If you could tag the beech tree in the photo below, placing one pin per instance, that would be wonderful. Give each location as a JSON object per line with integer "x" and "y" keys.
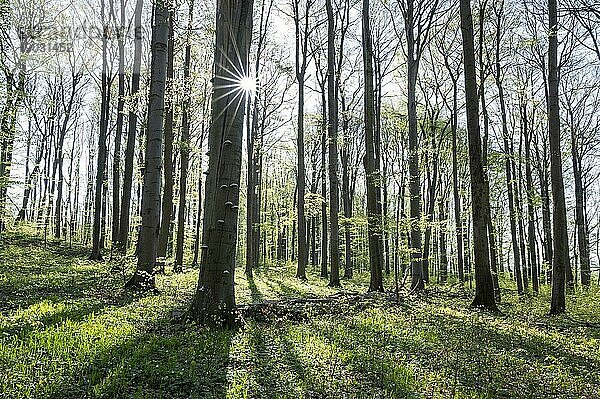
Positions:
{"x": 560, "y": 253}
{"x": 143, "y": 277}
{"x": 371, "y": 161}
{"x": 484, "y": 287}
{"x": 214, "y": 300}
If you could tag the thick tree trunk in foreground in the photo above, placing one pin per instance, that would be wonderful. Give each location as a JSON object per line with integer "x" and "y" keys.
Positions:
{"x": 560, "y": 259}
{"x": 148, "y": 240}
{"x": 372, "y": 172}
{"x": 214, "y": 300}
{"x": 484, "y": 286}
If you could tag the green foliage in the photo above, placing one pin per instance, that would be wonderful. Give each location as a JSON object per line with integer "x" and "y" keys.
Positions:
{"x": 69, "y": 330}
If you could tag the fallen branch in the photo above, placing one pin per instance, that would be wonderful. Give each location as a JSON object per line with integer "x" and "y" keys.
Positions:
{"x": 301, "y": 309}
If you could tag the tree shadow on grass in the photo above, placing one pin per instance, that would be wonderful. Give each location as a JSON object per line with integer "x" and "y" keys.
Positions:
{"x": 22, "y": 325}
{"x": 462, "y": 355}
{"x": 272, "y": 366}
{"x": 162, "y": 361}
{"x": 255, "y": 294}
{"x": 33, "y": 274}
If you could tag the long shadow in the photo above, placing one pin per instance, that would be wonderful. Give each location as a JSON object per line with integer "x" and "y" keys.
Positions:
{"x": 274, "y": 368}
{"x": 160, "y": 361}
{"x": 55, "y": 273}
{"x": 74, "y": 312}
{"x": 475, "y": 357}
{"x": 255, "y": 293}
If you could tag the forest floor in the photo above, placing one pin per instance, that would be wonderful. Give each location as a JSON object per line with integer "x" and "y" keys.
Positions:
{"x": 68, "y": 329}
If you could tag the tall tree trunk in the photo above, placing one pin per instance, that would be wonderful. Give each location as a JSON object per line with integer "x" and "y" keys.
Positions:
{"x": 508, "y": 155}
{"x": 518, "y": 175}
{"x": 560, "y": 258}
{"x": 583, "y": 244}
{"x": 199, "y": 190}
{"x": 102, "y": 150}
{"x": 443, "y": 249}
{"x": 324, "y": 240}
{"x": 416, "y": 262}
{"x": 484, "y": 286}
{"x": 131, "y": 130}
{"x": 346, "y": 195}
{"x": 167, "y": 200}
{"x": 486, "y": 125}
{"x": 148, "y": 239}
{"x": 546, "y": 224}
{"x": 68, "y": 109}
{"x": 214, "y": 300}
{"x": 301, "y": 36}
{"x": 455, "y": 188}
{"x": 185, "y": 144}
{"x": 530, "y": 204}
{"x": 371, "y": 161}
{"x": 116, "y": 173}
{"x": 332, "y": 128}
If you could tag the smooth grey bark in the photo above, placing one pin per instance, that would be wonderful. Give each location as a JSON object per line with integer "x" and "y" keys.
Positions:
{"x": 301, "y": 25}
{"x": 68, "y": 109}
{"x": 508, "y": 155}
{"x": 125, "y": 207}
{"x": 116, "y": 172}
{"x": 560, "y": 259}
{"x": 371, "y": 161}
{"x": 185, "y": 145}
{"x": 484, "y": 286}
{"x": 102, "y": 150}
{"x": 168, "y": 159}
{"x": 530, "y": 202}
{"x": 143, "y": 277}
{"x": 332, "y": 129}
{"x": 214, "y": 300}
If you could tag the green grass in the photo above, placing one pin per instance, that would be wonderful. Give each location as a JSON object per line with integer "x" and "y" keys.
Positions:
{"x": 69, "y": 330}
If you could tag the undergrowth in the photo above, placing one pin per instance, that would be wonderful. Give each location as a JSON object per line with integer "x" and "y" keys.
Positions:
{"x": 68, "y": 329}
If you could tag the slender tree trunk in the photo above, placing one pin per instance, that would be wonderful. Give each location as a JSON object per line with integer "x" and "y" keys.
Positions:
{"x": 484, "y": 286}
{"x": 416, "y": 262}
{"x": 148, "y": 239}
{"x": 371, "y": 161}
{"x": 455, "y": 188}
{"x": 332, "y": 128}
{"x": 443, "y": 250}
{"x": 167, "y": 202}
{"x": 530, "y": 206}
{"x": 324, "y": 240}
{"x": 560, "y": 259}
{"x": 102, "y": 150}
{"x": 131, "y": 131}
{"x": 116, "y": 189}
{"x": 518, "y": 175}
{"x": 185, "y": 144}
{"x": 214, "y": 300}
{"x": 301, "y": 64}
{"x": 583, "y": 244}
{"x": 199, "y": 199}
